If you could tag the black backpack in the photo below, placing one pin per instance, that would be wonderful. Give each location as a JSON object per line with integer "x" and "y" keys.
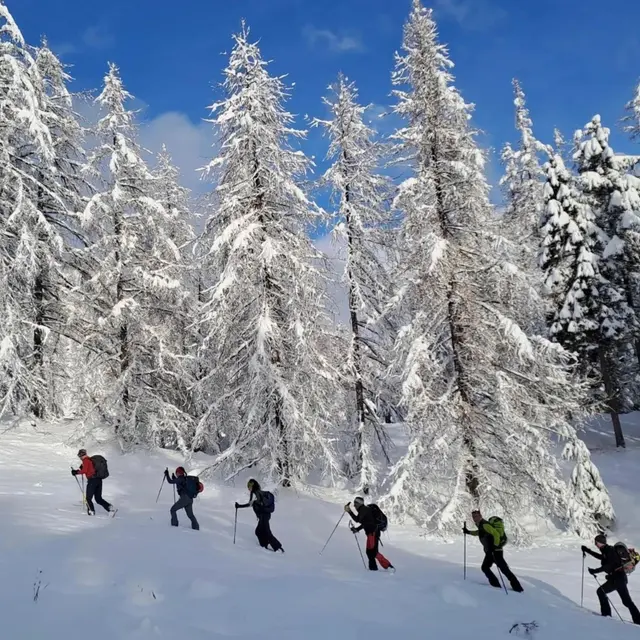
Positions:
{"x": 100, "y": 467}
{"x": 268, "y": 502}
{"x": 192, "y": 486}
{"x": 379, "y": 517}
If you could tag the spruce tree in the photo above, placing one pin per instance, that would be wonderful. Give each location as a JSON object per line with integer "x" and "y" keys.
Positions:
{"x": 481, "y": 395}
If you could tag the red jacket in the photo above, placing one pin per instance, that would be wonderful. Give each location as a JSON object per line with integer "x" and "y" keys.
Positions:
{"x": 87, "y": 468}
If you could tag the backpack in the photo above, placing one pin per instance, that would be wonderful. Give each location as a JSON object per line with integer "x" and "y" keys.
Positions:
{"x": 628, "y": 556}
{"x": 193, "y": 486}
{"x": 100, "y": 466}
{"x": 498, "y": 525}
{"x": 268, "y": 502}
{"x": 379, "y": 517}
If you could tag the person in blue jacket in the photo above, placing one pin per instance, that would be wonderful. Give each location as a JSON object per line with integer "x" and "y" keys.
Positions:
{"x": 185, "y": 500}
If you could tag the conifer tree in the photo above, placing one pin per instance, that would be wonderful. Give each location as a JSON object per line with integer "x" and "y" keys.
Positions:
{"x": 481, "y": 395}
{"x": 264, "y": 318}
{"x": 631, "y": 120}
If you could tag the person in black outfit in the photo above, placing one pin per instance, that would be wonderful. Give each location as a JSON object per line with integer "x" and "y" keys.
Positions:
{"x": 493, "y": 552}
{"x": 611, "y": 566}
{"x": 367, "y": 521}
{"x": 185, "y": 501}
{"x": 263, "y": 530}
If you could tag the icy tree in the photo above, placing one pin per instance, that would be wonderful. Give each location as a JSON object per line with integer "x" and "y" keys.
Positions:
{"x": 631, "y": 120}
{"x": 611, "y": 191}
{"x": 136, "y": 288}
{"x": 264, "y": 318}
{"x": 361, "y": 198}
{"x": 484, "y": 400}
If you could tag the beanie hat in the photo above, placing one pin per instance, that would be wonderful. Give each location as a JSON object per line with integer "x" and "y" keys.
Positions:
{"x": 180, "y": 471}
{"x": 82, "y": 453}
{"x": 358, "y": 502}
{"x": 601, "y": 538}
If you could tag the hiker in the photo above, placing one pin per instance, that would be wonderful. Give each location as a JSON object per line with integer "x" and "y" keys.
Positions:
{"x": 186, "y": 495}
{"x": 263, "y": 504}
{"x": 366, "y": 518}
{"x": 95, "y": 470}
{"x": 613, "y": 567}
{"x": 492, "y": 538}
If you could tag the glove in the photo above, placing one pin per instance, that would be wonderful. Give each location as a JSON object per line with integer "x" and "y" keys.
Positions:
{"x": 592, "y": 571}
{"x": 584, "y": 550}
{"x": 166, "y": 473}
{"x": 346, "y": 507}
{"x": 237, "y": 506}
{"x": 74, "y": 472}
{"x": 465, "y": 530}
{"x": 353, "y": 530}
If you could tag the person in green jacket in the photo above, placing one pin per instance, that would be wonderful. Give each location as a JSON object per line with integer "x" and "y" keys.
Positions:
{"x": 492, "y": 541}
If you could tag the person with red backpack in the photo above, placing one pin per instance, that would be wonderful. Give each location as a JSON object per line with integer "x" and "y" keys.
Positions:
{"x": 95, "y": 470}
{"x": 613, "y": 566}
{"x": 373, "y": 524}
{"x": 263, "y": 503}
{"x": 188, "y": 488}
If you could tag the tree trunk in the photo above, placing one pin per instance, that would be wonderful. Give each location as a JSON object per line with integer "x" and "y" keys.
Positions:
{"x": 37, "y": 405}
{"x": 123, "y": 332}
{"x": 613, "y": 394}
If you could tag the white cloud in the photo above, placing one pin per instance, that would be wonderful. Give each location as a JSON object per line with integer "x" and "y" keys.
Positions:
{"x": 333, "y": 42}
{"x": 475, "y": 15}
{"x": 98, "y": 37}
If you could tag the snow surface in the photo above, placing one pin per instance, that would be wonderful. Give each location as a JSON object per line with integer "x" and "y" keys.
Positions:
{"x": 134, "y": 576}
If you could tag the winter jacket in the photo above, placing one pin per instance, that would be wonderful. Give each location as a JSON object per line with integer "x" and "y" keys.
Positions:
{"x": 367, "y": 521}
{"x": 256, "y": 501}
{"x": 610, "y": 560}
{"x": 179, "y": 481}
{"x": 489, "y": 536}
{"x": 87, "y": 468}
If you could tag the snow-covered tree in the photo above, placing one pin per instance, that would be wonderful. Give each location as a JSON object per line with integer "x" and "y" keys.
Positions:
{"x": 483, "y": 398}
{"x": 362, "y": 214}
{"x": 136, "y": 288}
{"x": 265, "y": 319}
{"x": 611, "y": 191}
{"x": 631, "y": 120}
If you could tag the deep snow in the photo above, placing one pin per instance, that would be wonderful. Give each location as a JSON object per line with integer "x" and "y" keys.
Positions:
{"x": 136, "y": 577}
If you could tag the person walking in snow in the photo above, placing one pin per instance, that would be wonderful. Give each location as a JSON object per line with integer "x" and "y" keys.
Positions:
{"x": 612, "y": 567}
{"x": 185, "y": 497}
{"x": 263, "y": 503}
{"x": 95, "y": 474}
{"x": 365, "y": 517}
{"x": 492, "y": 542}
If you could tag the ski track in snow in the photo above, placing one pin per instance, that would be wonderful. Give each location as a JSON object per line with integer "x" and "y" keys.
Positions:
{"x": 135, "y": 577}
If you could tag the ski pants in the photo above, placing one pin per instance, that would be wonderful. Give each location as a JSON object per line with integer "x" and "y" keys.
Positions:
{"x": 186, "y": 503}
{"x": 617, "y": 582}
{"x": 496, "y": 556}
{"x": 94, "y": 490}
{"x": 373, "y": 554}
{"x": 264, "y": 535}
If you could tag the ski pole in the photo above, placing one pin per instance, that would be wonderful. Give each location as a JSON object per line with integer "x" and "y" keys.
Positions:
{"x": 235, "y": 526}
{"x": 582, "y": 585}
{"x": 465, "y": 552}
{"x": 161, "y": 485}
{"x": 609, "y": 599}
{"x": 334, "y": 530}
{"x": 502, "y": 580}
{"x": 359, "y": 549}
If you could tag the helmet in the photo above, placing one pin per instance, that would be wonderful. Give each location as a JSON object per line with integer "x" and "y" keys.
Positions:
{"x": 358, "y": 502}
{"x": 180, "y": 471}
{"x": 82, "y": 453}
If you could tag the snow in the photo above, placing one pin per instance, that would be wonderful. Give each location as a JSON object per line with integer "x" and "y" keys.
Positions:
{"x": 135, "y": 577}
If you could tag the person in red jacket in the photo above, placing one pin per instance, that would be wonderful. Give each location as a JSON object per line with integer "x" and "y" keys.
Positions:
{"x": 94, "y": 485}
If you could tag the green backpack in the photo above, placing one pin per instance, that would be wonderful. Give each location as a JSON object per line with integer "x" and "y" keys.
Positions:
{"x": 498, "y": 525}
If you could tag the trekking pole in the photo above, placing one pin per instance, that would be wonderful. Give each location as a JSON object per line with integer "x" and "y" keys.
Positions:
{"x": 465, "y": 553}
{"x": 609, "y": 599}
{"x": 582, "y": 585}
{"x": 502, "y": 580}
{"x": 359, "y": 549}
{"x": 161, "y": 485}
{"x": 334, "y": 530}
{"x": 235, "y": 526}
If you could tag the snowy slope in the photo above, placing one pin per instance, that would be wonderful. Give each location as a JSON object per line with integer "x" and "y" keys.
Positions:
{"x": 136, "y": 577}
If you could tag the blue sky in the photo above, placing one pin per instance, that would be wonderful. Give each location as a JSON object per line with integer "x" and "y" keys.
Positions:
{"x": 573, "y": 57}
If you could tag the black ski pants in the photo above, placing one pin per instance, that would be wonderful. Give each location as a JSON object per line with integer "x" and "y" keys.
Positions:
{"x": 186, "y": 503}
{"x": 264, "y": 535}
{"x": 617, "y": 582}
{"x": 496, "y": 556}
{"x": 94, "y": 490}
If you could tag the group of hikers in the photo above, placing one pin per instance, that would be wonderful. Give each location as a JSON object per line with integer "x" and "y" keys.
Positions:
{"x": 617, "y": 561}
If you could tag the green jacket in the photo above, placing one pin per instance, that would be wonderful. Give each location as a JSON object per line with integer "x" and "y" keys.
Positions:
{"x": 489, "y": 536}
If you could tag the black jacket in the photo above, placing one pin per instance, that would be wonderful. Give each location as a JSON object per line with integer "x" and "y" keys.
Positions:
{"x": 256, "y": 500}
{"x": 610, "y": 560}
{"x": 367, "y": 521}
{"x": 180, "y": 482}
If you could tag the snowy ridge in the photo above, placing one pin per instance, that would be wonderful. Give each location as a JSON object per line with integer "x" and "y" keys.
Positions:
{"x": 136, "y": 577}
